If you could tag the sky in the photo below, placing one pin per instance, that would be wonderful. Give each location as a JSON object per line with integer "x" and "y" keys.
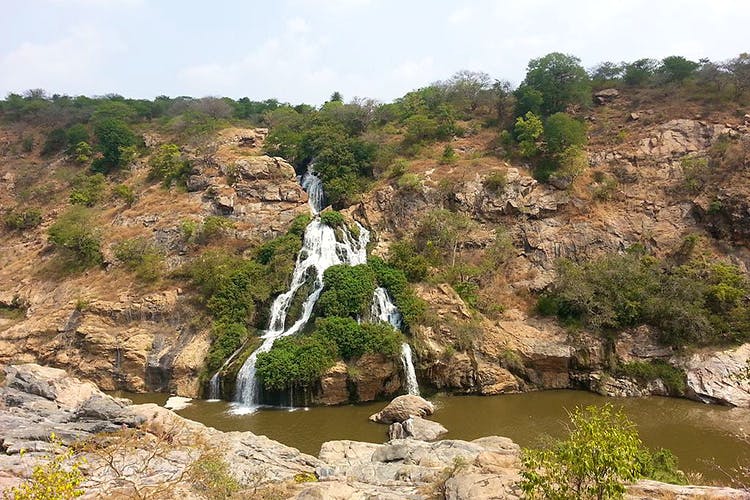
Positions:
{"x": 304, "y": 50}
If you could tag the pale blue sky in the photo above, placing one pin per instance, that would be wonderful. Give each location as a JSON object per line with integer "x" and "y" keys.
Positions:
{"x": 303, "y": 50}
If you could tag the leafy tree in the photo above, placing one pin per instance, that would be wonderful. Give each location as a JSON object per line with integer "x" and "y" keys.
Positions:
{"x": 336, "y": 97}
{"x": 677, "y": 68}
{"x": 112, "y": 135}
{"x": 561, "y": 81}
{"x": 601, "y": 454}
{"x": 607, "y": 73}
{"x": 639, "y": 72}
{"x": 142, "y": 257}
{"x": 75, "y": 134}
{"x": 529, "y": 129}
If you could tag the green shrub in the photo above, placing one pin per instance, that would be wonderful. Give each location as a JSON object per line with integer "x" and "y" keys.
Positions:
{"x": 76, "y": 134}
{"x": 562, "y": 131}
{"x": 214, "y": 227}
{"x": 296, "y": 361}
{"x": 19, "y": 220}
{"x": 332, "y": 218}
{"x": 402, "y": 255}
{"x": 168, "y": 166}
{"x": 601, "y": 454}
{"x": 226, "y": 338}
{"x": 75, "y": 234}
{"x": 448, "y": 156}
{"x": 112, "y": 135}
{"x": 673, "y": 378}
{"x": 27, "y": 144}
{"x": 87, "y": 190}
{"x": 125, "y": 193}
{"x": 409, "y": 182}
{"x": 394, "y": 280}
{"x": 695, "y": 172}
{"x": 353, "y": 339}
{"x": 141, "y": 257}
{"x": 528, "y": 130}
{"x": 56, "y": 141}
{"x": 82, "y": 152}
{"x": 347, "y": 291}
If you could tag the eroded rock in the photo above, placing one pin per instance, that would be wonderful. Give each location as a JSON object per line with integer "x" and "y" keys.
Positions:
{"x": 403, "y": 407}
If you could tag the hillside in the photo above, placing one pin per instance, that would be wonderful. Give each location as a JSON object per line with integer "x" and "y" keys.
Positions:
{"x": 546, "y": 243}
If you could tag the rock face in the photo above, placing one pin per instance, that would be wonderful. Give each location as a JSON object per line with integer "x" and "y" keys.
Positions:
{"x": 722, "y": 376}
{"x": 402, "y": 408}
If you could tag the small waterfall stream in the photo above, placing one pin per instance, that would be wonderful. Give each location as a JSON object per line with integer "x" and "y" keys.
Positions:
{"x": 385, "y": 310}
{"x": 320, "y": 251}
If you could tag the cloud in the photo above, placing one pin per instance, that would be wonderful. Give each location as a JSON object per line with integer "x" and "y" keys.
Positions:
{"x": 461, "y": 15}
{"x": 61, "y": 65}
{"x": 288, "y": 66}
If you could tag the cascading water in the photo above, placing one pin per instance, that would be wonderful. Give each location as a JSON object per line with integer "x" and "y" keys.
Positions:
{"x": 320, "y": 251}
{"x": 383, "y": 309}
{"x": 214, "y": 383}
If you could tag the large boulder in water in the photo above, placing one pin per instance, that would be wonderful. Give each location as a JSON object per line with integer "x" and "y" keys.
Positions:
{"x": 720, "y": 377}
{"x": 402, "y": 408}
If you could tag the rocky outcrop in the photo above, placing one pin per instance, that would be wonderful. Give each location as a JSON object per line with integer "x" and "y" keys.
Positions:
{"x": 679, "y": 137}
{"x": 720, "y": 377}
{"x": 403, "y": 407}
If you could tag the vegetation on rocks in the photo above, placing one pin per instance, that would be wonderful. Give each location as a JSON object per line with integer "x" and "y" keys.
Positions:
{"x": 77, "y": 238}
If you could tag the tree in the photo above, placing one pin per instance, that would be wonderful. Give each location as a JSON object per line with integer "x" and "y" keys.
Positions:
{"x": 528, "y": 131}
{"x": 168, "y": 166}
{"x": 739, "y": 71}
{"x": 607, "y": 72}
{"x": 75, "y": 233}
{"x": 562, "y": 131}
{"x": 561, "y": 81}
{"x": 336, "y": 97}
{"x": 639, "y": 72}
{"x": 677, "y": 68}
{"x": 112, "y": 135}
{"x": 601, "y": 453}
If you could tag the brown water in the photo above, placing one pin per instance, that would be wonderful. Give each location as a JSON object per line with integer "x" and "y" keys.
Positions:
{"x": 698, "y": 434}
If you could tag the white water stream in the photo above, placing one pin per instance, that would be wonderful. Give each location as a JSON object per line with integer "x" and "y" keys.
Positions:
{"x": 383, "y": 309}
{"x": 320, "y": 251}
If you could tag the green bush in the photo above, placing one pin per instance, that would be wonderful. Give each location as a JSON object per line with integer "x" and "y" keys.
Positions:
{"x": 75, "y": 234}
{"x": 168, "y": 166}
{"x": 353, "y": 339}
{"x": 394, "y": 280}
{"x": 601, "y": 454}
{"x": 347, "y": 291}
{"x": 528, "y": 130}
{"x": 112, "y": 135}
{"x": 214, "y": 227}
{"x": 673, "y": 378}
{"x": 19, "y": 220}
{"x": 226, "y": 338}
{"x": 696, "y": 303}
{"x": 296, "y": 361}
{"x": 332, "y": 218}
{"x": 141, "y": 257}
{"x": 87, "y": 190}
{"x": 82, "y": 152}
{"x": 56, "y": 141}
{"x": 74, "y": 135}
{"x": 125, "y": 193}
{"x": 403, "y": 255}
{"x": 562, "y": 131}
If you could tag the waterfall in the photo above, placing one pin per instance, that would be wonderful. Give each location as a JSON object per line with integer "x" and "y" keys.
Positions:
{"x": 383, "y": 309}
{"x": 412, "y": 386}
{"x": 214, "y": 383}
{"x": 320, "y": 250}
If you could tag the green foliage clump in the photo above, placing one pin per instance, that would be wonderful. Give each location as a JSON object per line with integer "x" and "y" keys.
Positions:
{"x": 226, "y": 338}
{"x": 76, "y": 236}
{"x": 404, "y": 256}
{"x": 142, "y": 257}
{"x": 353, "y": 339}
{"x": 125, "y": 193}
{"x": 214, "y": 227}
{"x": 601, "y": 454}
{"x": 19, "y": 220}
{"x": 56, "y": 140}
{"x": 295, "y": 361}
{"x": 211, "y": 475}
{"x": 559, "y": 80}
{"x": 87, "y": 190}
{"x": 168, "y": 166}
{"x": 562, "y": 131}
{"x": 529, "y": 129}
{"x": 82, "y": 152}
{"x": 113, "y": 136}
{"x": 673, "y": 378}
{"x": 332, "y": 218}
{"x": 347, "y": 291}
{"x": 696, "y": 303}
{"x": 448, "y": 156}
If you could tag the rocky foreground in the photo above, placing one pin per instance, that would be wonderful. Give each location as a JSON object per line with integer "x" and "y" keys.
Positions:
{"x": 146, "y": 450}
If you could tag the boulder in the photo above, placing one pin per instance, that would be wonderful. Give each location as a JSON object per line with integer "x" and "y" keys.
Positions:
{"x": 402, "y": 408}
{"x": 720, "y": 377}
{"x": 334, "y": 389}
{"x": 605, "y": 96}
{"x": 417, "y": 428}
